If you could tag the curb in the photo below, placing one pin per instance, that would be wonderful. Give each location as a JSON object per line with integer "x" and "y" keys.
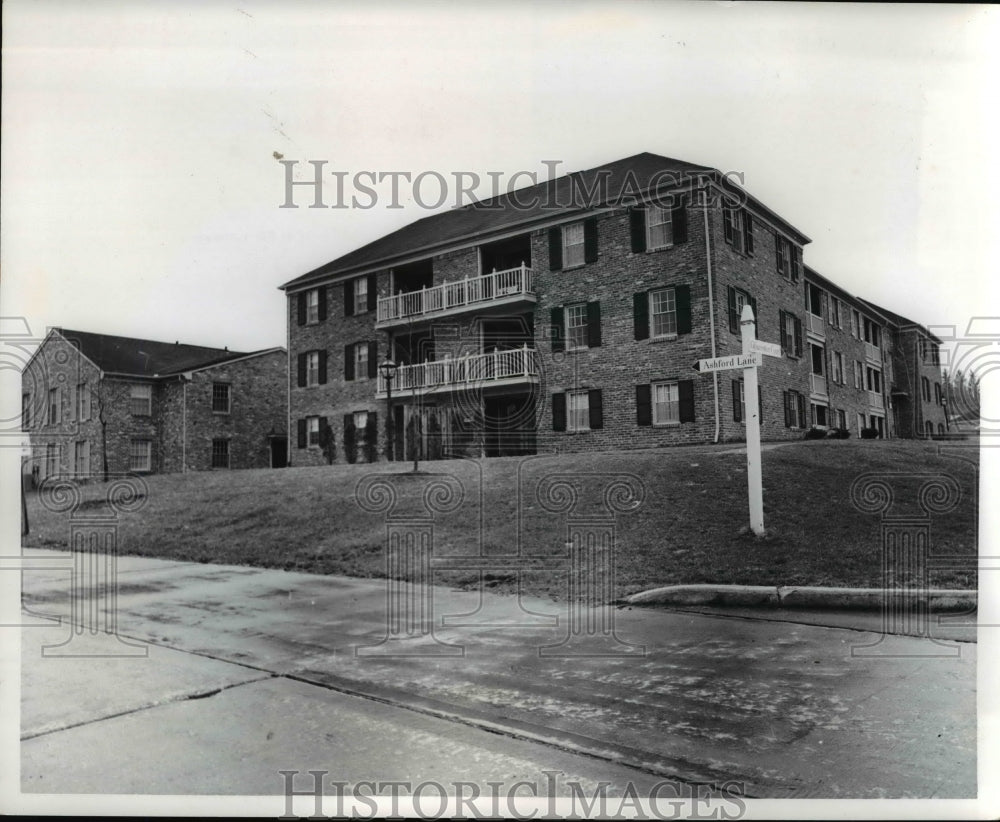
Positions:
{"x": 797, "y": 596}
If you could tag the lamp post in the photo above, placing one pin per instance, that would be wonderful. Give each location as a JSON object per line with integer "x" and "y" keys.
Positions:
{"x": 388, "y": 370}
{"x": 947, "y": 424}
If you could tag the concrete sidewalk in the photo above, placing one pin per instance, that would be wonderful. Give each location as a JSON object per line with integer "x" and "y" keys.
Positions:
{"x": 789, "y": 710}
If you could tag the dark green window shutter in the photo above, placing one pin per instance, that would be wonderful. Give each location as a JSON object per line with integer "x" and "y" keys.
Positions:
{"x": 349, "y": 434}
{"x": 747, "y": 232}
{"x": 372, "y": 292}
{"x": 321, "y": 306}
{"x": 685, "y": 397}
{"x": 734, "y": 317}
{"x": 322, "y": 366}
{"x": 737, "y": 412}
{"x": 786, "y": 400}
{"x": 679, "y": 225}
{"x": 779, "y": 259}
{"x": 590, "y": 240}
{"x": 728, "y": 224}
{"x": 349, "y": 361}
{"x": 555, "y": 248}
{"x": 596, "y": 409}
{"x": 372, "y": 359}
{"x": 349, "y": 298}
{"x": 783, "y": 333}
{"x": 559, "y": 412}
{"x": 558, "y": 329}
{"x": 302, "y": 370}
{"x": 802, "y": 409}
{"x": 756, "y": 317}
{"x": 796, "y": 263}
{"x": 640, "y": 315}
{"x": 682, "y": 299}
{"x": 643, "y": 405}
{"x": 798, "y": 337}
{"x": 301, "y": 304}
{"x": 637, "y": 228}
{"x": 324, "y": 432}
{"x": 594, "y": 325}
{"x": 302, "y": 433}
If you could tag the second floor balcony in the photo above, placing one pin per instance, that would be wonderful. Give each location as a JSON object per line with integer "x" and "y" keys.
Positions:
{"x": 815, "y": 325}
{"x": 498, "y": 288}
{"x": 509, "y": 366}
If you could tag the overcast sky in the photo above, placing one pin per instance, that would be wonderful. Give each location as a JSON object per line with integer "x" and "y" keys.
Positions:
{"x": 141, "y": 191}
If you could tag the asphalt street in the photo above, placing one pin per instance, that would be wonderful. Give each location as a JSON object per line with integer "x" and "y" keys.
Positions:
{"x": 247, "y": 672}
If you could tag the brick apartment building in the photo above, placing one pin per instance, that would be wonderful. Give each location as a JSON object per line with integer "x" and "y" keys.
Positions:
{"x": 567, "y": 316}
{"x": 919, "y": 401}
{"x": 95, "y": 403}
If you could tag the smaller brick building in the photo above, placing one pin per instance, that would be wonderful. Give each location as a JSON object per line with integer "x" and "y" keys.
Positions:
{"x": 94, "y": 404}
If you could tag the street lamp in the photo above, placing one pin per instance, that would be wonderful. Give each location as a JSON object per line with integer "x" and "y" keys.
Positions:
{"x": 388, "y": 370}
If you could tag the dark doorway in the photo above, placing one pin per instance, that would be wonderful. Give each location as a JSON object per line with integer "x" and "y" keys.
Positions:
{"x": 506, "y": 254}
{"x": 279, "y": 452}
{"x": 509, "y": 425}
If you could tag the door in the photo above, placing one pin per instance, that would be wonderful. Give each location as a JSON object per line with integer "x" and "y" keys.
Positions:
{"x": 279, "y": 452}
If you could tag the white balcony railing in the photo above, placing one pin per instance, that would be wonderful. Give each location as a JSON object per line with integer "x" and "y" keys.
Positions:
{"x": 470, "y": 371}
{"x": 473, "y": 291}
{"x": 815, "y": 324}
{"x": 817, "y": 383}
{"x": 872, "y": 352}
{"x": 876, "y": 401}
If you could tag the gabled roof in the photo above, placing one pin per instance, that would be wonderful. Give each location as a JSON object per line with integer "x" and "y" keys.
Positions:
{"x": 143, "y": 358}
{"x": 830, "y": 285}
{"x": 551, "y": 199}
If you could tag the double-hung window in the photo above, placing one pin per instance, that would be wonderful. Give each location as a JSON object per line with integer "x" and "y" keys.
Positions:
{"x": 141, "y": 400}
{"x": 666, "y": 403}
{"x": 572, "y": 245}
{"x": 140, "y": 455}
{"x": 312, "y": 368}
{"x": 576, "y": 326}
{"x": 659, "y": 229}
{"x": 312, "y": 306}
{"x": 662, "y": 313}
{"x": 312, "y": 430}
{"x": 220, "y": 452}
{"x": 360, "y": 295}
{"x": 577, "y": 411}
{"x": 220, "y": 398}
{"x": 361, "y": 361}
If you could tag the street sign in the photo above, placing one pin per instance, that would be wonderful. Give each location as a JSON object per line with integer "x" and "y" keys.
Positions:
{"x": 765, "y": 348}
{"x": 751, "y": 360}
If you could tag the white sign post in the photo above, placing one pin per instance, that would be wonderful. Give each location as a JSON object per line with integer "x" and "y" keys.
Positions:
{"x": 748, "y": 326}
{"x": 748, "y": 361}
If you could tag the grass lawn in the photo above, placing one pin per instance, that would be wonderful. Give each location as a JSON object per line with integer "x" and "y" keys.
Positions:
{"x": 691, "y": 527}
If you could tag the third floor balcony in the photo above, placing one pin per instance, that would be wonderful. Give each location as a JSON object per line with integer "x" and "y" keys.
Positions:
{"x": 493, "y": 290}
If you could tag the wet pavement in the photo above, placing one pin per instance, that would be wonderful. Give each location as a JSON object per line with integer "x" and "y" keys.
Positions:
{"x": 786, "y": 708}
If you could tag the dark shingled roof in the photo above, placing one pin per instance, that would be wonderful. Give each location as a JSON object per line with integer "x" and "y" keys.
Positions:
{"x": 143, "y": 358}
{"x": 548, "y": 199}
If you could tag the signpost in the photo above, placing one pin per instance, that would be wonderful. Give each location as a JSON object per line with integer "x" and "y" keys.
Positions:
{"x": 749, "y": 361}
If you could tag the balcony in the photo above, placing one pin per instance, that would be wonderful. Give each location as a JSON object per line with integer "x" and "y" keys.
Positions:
{"x": 817, "y": 384}
{"x": 876, "y": 401}
{"x": 474, "y": 371}
{"x": 497, "y": 288}
{"x": 815, "y": 325}
{"x": 873, "y": 353}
